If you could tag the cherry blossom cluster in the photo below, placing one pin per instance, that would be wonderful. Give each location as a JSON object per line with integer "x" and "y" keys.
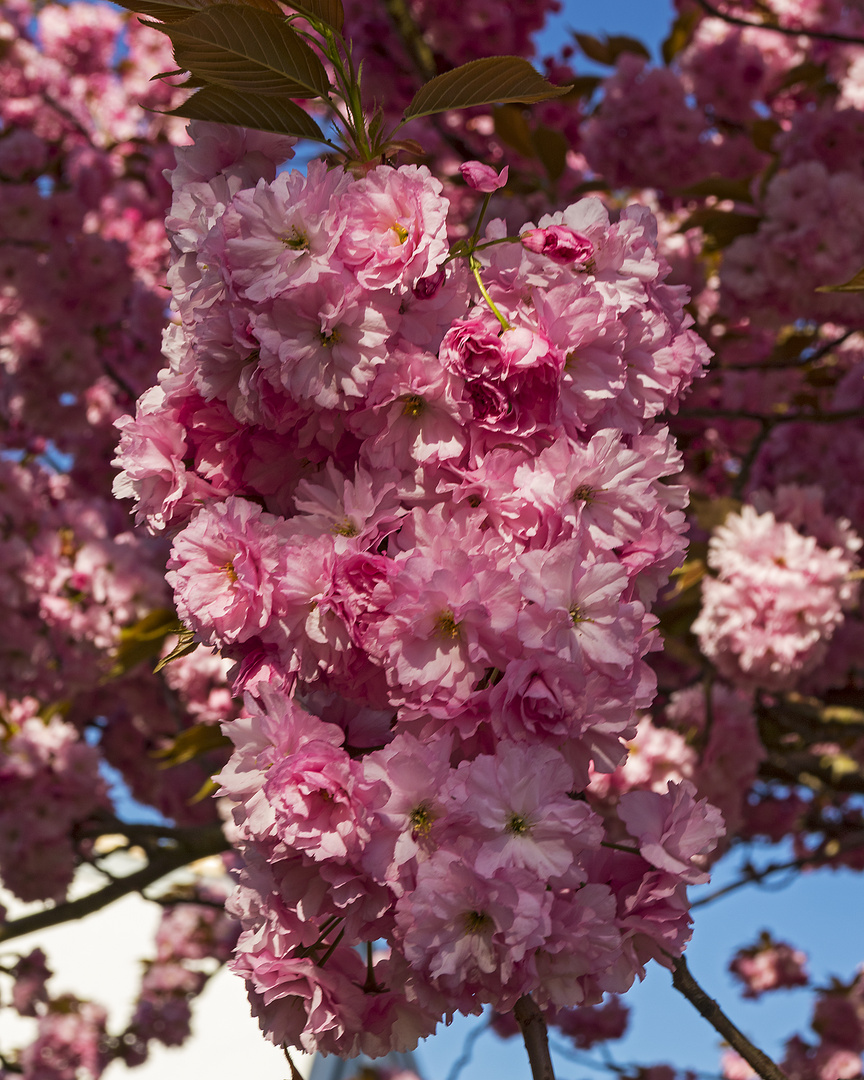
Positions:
{"x": 49, "y": 783}
{"x": 838, "y": 1022}
{"x": 193, "y": 939}
{"x": 779, "y": 594}
{"x": 419, "y": 503}
{"x": 769, "y": 965}
{"x": 189, "y": 938}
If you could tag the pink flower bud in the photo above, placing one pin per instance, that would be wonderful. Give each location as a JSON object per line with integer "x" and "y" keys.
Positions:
{"x": 560, "y": 244}
{"x": 483, "y": 177}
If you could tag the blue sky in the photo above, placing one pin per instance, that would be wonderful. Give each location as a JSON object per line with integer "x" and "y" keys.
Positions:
{"x": 648, "y": 20}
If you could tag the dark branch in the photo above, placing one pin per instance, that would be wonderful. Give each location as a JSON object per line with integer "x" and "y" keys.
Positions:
{"x": 751, "y": 876}
{"x": 779, "y": 418}
{"x": 419, "y": 51}
{"x": 196, "y": 844}
{"x": 533, "y": 1027}
{"x": 467, "y": 1051}
{"x": 685, "y": 984}
{"x": 736, "y": 20}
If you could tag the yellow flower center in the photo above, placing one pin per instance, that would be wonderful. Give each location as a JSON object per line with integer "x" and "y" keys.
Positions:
{"x": 421, "y": 818}
{"x": 400, "y": 230}
{"x": 446, "y": 625}
{"x": 345, "y": 527}
{"x": 476, "y": 922}
{"x": 295, "y": 240}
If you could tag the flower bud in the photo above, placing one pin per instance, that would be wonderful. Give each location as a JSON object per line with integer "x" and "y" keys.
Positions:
{"x": 560, "y": 244}
{"x": 483, "y": 177}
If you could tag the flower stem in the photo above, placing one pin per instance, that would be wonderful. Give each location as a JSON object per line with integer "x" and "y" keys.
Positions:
{"x": 475, "y": 270}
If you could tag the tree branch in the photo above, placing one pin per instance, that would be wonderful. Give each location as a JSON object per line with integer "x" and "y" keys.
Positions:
{"x": 419, "y": 51}
{"x": 736, "y": 20}
{"x": 752, "y": 876}
{"x": 777, "y": 418}
{"x": 533, "y": 1027}
{"x": 707, "y": 1007}
{"x": 196, "y": 844}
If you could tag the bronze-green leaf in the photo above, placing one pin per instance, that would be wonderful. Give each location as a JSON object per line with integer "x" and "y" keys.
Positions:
{"x": 512, "y": 127}
{"x": 192, "y": 743}
{"x": 854, "y": 284}
{"x": 607, "y": 51}
{"x": 495, "y": 79}
{"x": 681, "y": 34}
{"x": 186, "y": 644}
{"x": 325, "y": 11}
{"x": 265, "y": 113}
{"x": 721, "y": 227}
{"x": 172, "y": 11}
{"x": 247, "y": 49}
{"x": 552, "y": 149}
{"x": 143, "y": 640}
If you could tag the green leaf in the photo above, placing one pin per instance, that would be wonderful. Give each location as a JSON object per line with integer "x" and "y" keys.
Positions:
{"x": 710, "y": 513}
{"x": 265, "y": 113}
{"x": 325, "y": 11}
{"x": 186, "y": 644}
{"x": 192, "y": 743}
{"x": 247, "y": 49}
{"x": 512, "y": 127}
{"x": 552, "y": 149}
{"x": 214, "y": 71}
{"x": 583, "y": 86}
{"x": 721, "y": 227}
{"x": 607, "y": 50}
{"x": 208, "y": 788}
{"x": 854, "y": 284}
{"x": 143, "y": 640}
{"x": 172, "y": 11}
{"x": 482, "y": 82}
{"x": 681, "y": 34}
{"x": 762, "y": 132}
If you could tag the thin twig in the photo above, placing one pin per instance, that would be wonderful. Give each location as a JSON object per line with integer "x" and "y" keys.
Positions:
{"x": 533, "y": 1027}
{"x": 736, "y": 20}
{"x": 206, "y": 841}
{"x": 412, "y": 38}
{"x": 778, "y": 418}
{"x": 295, "y": 1072}
{"x": 467, "y": 1050}
{"x": 685, "y": 984}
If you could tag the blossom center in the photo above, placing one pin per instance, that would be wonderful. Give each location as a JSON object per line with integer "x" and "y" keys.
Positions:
{"x": 446, "y": 625}
{"x": 414, "y": 405}
{"x": 477, "y": 921}
{"x": 330, "y": 338}
{"x": 295, "y": 240}
{"x": 400, "y": 230}
{"x": 230, "y": 571}
{"x": 584, "y": 493}
{"x": 345, "y": 527}
{"x": 421, "y": 818}
{"x": 518, "y": 825}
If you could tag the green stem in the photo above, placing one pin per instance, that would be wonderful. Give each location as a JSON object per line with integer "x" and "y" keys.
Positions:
{"x": 492, "y": 243}
{"x": 619, "y": 847}
{"x": 475, "y": 270}
{"x": 476, "y": 234}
